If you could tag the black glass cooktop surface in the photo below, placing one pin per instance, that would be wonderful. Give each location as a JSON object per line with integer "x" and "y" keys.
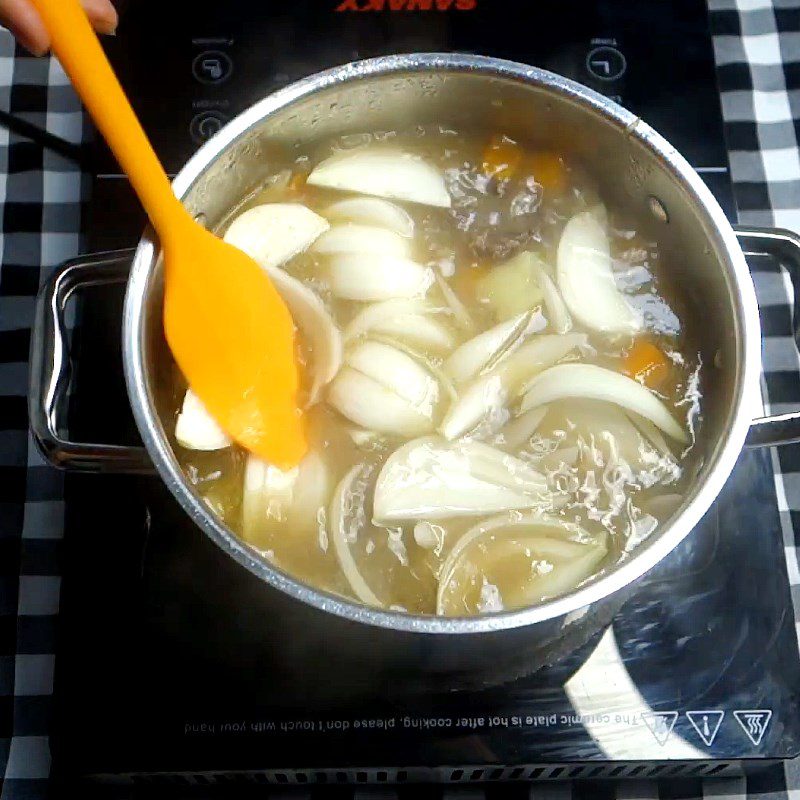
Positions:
{"x": 173, "y": 659}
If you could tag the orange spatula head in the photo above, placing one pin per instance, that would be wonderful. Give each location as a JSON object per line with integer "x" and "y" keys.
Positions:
{"x": 228, "y": 329}
{"x": 232, "y": 335}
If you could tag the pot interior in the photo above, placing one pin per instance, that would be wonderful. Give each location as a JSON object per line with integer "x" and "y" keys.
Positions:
{"x": 614, "y": 150}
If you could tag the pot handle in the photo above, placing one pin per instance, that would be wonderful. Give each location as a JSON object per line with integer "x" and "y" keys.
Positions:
{"x": 782, "y": 244}
{"x": 50, "y": 368}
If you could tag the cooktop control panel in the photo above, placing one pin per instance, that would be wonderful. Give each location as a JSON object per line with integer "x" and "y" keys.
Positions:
{"x": 190, "y": 76}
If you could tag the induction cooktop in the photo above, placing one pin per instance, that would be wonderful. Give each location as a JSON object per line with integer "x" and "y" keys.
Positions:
{"x": 176, "y": 665}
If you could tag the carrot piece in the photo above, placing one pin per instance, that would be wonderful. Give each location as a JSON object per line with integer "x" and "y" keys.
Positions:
{"x": 646, "y": 363}
{"x": 549, "y": 170}
{"x": 501, "y": 157}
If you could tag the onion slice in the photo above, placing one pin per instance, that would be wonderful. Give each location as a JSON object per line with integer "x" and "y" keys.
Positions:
{"x": 420, "y": 330}
{"x": 479, "y": 352}
{"x": 430, "y": 478}
{"x": 571, "y": 552}
{"x": 383, "y": 172}
{"x": 460, "y": 313}
{"x": 429, "y": 364}
{"x": 196, "y": 429}
{"x": 375, "y": 314}
{"x": 396, "y": 371}
{"x": 483, "y": 402}
{"x": 372, "y": 211}
{"x": 557, "y": 314}
{"x": 490, "y": 393}
{"x": 317, "y": 326}
{"x": 266, "y": 497}
{"x": 273, "y": 233}
{"x": 596, "y": 383}
{"x": 351, "y": 238}
{"x": 490, "y": 464}
{"x": 340, "y": 503}
{"x": 519, "y": 431}
{"x": 372, "y": 405}
{"x": 368, "y": 277}
{"x": 587, "y": 281}
{"x": 407, "y": 320}
{"x": 311, "y": 493}
{"x": 652, "y": 434}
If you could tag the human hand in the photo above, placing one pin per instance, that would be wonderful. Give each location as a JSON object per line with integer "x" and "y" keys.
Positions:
{"x": 20, "y": 17}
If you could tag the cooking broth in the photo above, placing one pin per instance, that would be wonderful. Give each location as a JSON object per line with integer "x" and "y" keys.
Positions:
{"x": 452, "y": 479}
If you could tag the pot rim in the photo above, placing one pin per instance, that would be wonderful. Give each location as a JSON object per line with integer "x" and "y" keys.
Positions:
{"x": 650, "y": 553}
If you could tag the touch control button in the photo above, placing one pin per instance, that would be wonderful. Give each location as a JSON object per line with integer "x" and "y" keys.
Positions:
{"x": 212, "y": 67}
{"x": 606, "y": 63}
{"x": 205, "y": 124}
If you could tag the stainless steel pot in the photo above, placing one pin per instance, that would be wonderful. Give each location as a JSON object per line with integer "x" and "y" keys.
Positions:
{"x": 632, "y": 163}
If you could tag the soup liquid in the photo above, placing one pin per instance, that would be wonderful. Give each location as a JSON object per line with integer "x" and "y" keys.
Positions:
{"x": 498, "y": 211}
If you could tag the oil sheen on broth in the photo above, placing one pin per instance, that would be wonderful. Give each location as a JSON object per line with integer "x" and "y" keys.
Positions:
{"x": 501, "y": 397}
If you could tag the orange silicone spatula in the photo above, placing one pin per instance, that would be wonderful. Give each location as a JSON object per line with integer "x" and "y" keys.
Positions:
{"x": 229, "y": 330}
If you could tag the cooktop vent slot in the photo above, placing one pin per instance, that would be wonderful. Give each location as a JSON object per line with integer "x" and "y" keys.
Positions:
{"x": 463, "y": 774}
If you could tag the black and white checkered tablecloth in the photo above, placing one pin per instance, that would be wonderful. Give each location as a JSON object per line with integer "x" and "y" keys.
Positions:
{"x": 757, "y": 45}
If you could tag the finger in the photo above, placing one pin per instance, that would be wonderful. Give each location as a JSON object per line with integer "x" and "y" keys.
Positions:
{"x": 22, "y": 20}
{"x": 102, "y": 15}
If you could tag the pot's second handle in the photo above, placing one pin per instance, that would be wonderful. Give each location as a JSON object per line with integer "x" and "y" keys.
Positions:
{"x": 784, "y": 245}
{"x": 50, "y": 368}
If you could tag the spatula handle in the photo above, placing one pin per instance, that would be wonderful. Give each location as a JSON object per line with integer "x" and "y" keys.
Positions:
{"x": 79, "y": 51}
